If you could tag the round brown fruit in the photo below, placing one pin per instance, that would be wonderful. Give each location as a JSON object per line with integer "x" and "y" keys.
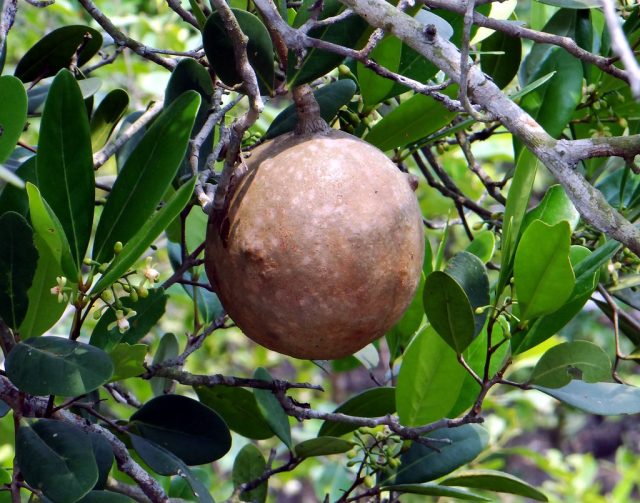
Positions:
{"x": 320, "y": 249}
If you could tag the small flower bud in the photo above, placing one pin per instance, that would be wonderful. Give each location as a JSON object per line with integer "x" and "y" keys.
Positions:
{"x": 117, "y": 247}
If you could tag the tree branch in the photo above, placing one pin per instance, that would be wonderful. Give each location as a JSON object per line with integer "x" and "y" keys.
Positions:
{"x": 7, "y": 17}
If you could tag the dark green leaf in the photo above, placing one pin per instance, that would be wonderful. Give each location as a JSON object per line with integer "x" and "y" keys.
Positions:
{"x": 501, "y": 67}
{"x": 316, "y": 62}
{"x": 373, "y": 87}
{"x": 322, "y": 446}
{"x": 104, "y": 119}
{"x": 123, "y": 154}
{"x": 581, "y": 360}
{"x": 429, "y": 381}
{"x": 602, "y": 398}
{"x": 145, "y": 178}
{"x": 128, "y": 360}
{"x": 57, "y": 458}
{"x": 271, "y": 409}
{"x": 249, "y": 465}
{"x": 403, "y": 331}
{"x": 554, "y": 208}
{"x": 56, "y": 50}
{"x": 167, "y": 350}
{"x": 57, "y": 366}
{"x": 105, "y": 497}
{"x": 190, "y": 430}
{"x": 13, "y": 198}
{"x": 239, "y": 409}
{"x": 65, "y": 163}
{"x": 483, "y": 245}
{"x": 38, "y": 95}
{"x": 431, "y": 489}
{"x": 18, "y": 262}
{"x": 13, "y": 114}
{"x": 330, "y": 98}
{"x": 219, "y": 49}
{"x": 492, "y": 480}
{"x": 449, "y": 310}
{"x": 373, "y": 402}
{"x": 423, "y": 464}
{"x": 103, "y": 454}
{"x": 543, "y": 276}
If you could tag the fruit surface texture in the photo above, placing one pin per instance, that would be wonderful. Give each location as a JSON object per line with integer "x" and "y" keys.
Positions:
{"x": 320, "y": 248}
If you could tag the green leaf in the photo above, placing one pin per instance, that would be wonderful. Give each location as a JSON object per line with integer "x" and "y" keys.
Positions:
{"x": 144, "y": 179}
{"x": 429, "y": 381}
{"x": 573, "y": 4}
{"x": 410, "y": 121}
{"x": 449, "y": 310}
{"x": 128, "y": 360}
{"x": 187, "y": 428}
{"x": 107, "y": 115}
{"x": 431, "y": 489}
{"x": 105, "y": 497}
{"x": 163, "y": 462}
{"x": 56, "y": 50}
{"x": 501, "y": 67}
{"x": 423, "y": 464}
{"x": 403, "y": 331}
{"x": 492, "y": 480}
{"x": 249, "y": 465}
{"x": 167, "y": 350}
{"x": 322, "y": 446}
{"x": 13, "y": 114}
{"x": 483, "y": 245}
{"x": 330, "y": 98}
{"x": 14, "y": 198}
{"x": 602, "y": 398}
{"x": 373, "y": 402}
{"x": 316, "y": 62}
{"x": 38, "y": 95}
{"x": 581, "y": 360}
{"x": 239, "y": 409}
{"x": 219, "y": 49}
{"x": 148, "y": 311}
{"x": 103, "y": 454}
{"x": 57, "y": 458}
{"x": 18, "y": 262}
{"x": 145, "y": 236}
{"x": 65, "y": 164}
{"x": 554, "y": 208}
{"x": 57, "y": 366}
{"x": 373, "y": 87}
{"x": 543, "y": 276}
{"x": 586, "y": 269}
{"x": 271, "y": 410}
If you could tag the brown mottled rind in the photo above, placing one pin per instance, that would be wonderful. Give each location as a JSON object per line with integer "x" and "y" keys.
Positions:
{"x": 323, "y": 246}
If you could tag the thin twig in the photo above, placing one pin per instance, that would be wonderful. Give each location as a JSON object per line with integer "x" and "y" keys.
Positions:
{"x": 184, "y": 14}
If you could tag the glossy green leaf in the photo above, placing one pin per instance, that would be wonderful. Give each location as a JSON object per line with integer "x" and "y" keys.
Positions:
{"x": 106, "y": 117}
{"x": 13, "y": 114}
{"x": 145, "y": 236}
{"x": 249, "y": 465}
{"x": 103, "y": 454}
{"x": 64, "y": 367}
{"x": 602, "y": 398}
{"x": 322, "y": 446}
{"x": 18, "y": 262}
{"x": 330, "y": 98}
{"x": 449, "y": 310}
{"x": 374, "y": 402}
{"x": 148, "y": 310}
{"x": 400, "y": 335}
{"x": 581, "y": 360}
{"x": 128, "y": 360}
{"x": 57, "y": 458}
{"x": 167, "y": 350}
{"x": 316, "y": 62}
{"x": 573, "y": 4}
{"x": 483, "y": 245}
{"x": 554, "y": 208}
{"x": 105, "y": 497}
{"x": 422, "y": 463}
{"x": 49, "y": 229}
{"x": 14, "y": 198}
{"x": 587, "y": 268}
{"x": 144, "y": 179}
{"x": 501, "y": 67}
{"x": 412, "y": 120}
{"x": 373, "y": 87}
{"x": 543, "y": 276}
{"x": 219, "y": 49}
{"x": 437, "y": 490}
{"x": 429, "y": 380}
{"x": 239, "y": 409}
{"x": 187, "y": 428}
{"x": 271, "y": 409}
{"x": 38, "y": 95}
{"x": 492, "y": 480}
{"x": 163, "y": 462}
{"x": 56, "y": 50}
{"x": 65, "y": 163}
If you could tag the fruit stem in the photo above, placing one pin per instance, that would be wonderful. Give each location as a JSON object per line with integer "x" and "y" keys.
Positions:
{"x": 309, "y": 119}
